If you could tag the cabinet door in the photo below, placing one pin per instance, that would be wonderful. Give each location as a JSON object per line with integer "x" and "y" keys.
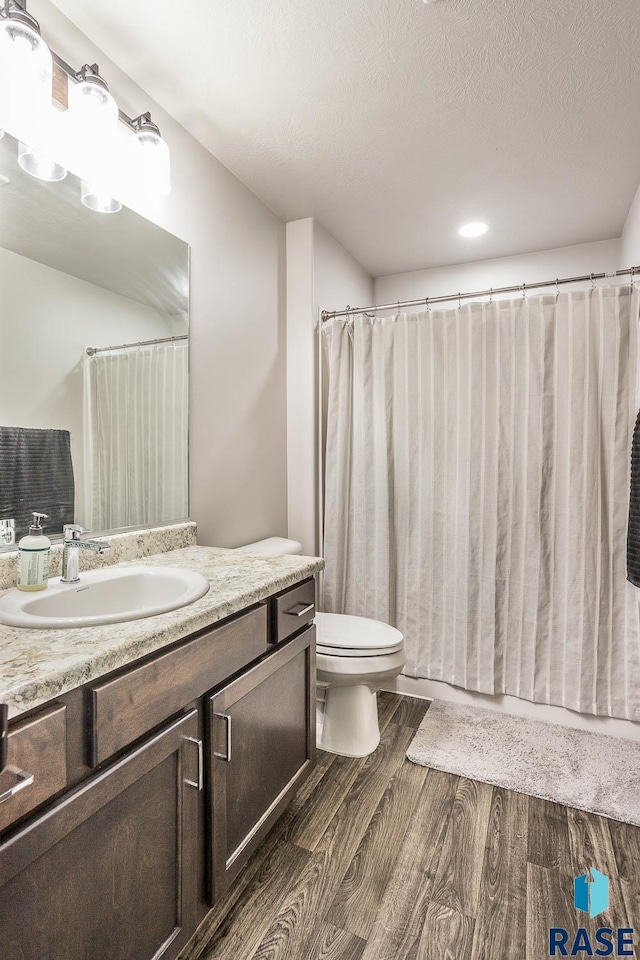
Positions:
{"x": 110, "y": 872}
{"x": 261, "y": 747}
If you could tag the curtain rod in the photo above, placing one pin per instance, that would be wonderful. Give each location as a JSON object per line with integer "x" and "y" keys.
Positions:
{"x": 521, "y": 288}
{"x": 139, "y": 343}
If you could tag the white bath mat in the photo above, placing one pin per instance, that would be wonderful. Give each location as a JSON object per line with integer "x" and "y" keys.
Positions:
{"x": 589, "y": 771}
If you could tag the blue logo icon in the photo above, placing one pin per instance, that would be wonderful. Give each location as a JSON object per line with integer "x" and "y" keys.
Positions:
{"x": 591, "y": 895}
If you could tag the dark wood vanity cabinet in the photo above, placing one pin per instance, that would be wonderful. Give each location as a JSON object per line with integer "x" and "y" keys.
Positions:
{"x": 152, "y": 787}
{"x": 261, "y": 747}
{"x": 38, "y": 746}
{"x": 110, "y": 871}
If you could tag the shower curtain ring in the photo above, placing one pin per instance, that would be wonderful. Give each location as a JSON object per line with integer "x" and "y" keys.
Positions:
{"x": 491, "y": 295}
{"x": 557, "y": 288}
{"x": 524, "y": 291}
{"x": 593, "y": 282}
{"x": 632, "y": 272}
{"x": 426, "y": 304}
{"x": 459, "y": 301}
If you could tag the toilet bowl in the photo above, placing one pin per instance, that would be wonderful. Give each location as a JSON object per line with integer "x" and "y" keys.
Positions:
{"x": 355, "y": 656}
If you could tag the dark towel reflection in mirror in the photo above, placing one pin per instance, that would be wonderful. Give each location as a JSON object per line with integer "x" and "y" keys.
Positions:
{"x": 36, "y": 473}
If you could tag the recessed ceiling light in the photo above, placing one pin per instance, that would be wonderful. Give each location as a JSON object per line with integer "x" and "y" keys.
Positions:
{"x": 476, "y": 229}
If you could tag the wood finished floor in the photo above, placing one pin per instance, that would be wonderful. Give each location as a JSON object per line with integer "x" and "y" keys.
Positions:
{"x": 380, "y": 859}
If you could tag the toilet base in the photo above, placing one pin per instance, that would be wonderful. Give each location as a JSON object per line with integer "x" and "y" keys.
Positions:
{"x": 350, "y": 725}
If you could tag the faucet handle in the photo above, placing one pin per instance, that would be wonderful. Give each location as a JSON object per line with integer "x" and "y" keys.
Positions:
{"x": 72, "y": 531}
{"x": 7, "y": 532}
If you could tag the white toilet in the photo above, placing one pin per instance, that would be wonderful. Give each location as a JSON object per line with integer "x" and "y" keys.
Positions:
{"x": 355, "y": 656}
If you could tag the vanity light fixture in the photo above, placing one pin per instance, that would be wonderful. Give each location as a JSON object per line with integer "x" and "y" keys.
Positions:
{"x": 151, "y": 156}
{"x": 26, "y": 68}
{"x": 26, "y": 77}
{"x": 84, "y": 138}
{"x": 475, "y": 229}
{"x": 39, "y": 165}
{"x": 91, "y": 106}
{"x": 96, "y": 199}
{"x": 92, "y": 120}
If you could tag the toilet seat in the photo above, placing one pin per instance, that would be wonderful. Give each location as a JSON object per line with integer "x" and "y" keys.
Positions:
{"x": 341, "y": 635}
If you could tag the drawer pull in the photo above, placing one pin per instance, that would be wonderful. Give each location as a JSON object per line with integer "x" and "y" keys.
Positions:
{"x": 22, "y": 780}
{"x": 227, "y": 719}
{"x": 192, "y": 783}
{"x": 299, "y": 609}
{"x": 4, "y": 734}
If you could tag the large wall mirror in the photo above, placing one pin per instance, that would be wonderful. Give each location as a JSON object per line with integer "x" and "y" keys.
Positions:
{"x": 94, "y": 318}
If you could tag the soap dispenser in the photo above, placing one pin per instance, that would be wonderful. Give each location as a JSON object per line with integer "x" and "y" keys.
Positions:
{"x": 33, "y": 557}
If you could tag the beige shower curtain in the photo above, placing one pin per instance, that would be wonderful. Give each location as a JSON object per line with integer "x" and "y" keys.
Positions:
{"x": 477, "y": 477}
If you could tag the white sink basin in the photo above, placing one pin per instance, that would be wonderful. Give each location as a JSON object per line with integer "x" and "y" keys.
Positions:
{"x": 103, "y": 596}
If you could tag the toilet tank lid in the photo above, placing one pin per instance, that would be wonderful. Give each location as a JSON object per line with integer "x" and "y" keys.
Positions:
{"x": 272, "y": 547}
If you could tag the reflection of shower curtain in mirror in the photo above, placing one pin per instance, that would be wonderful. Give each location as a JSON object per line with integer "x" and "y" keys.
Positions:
{"x": 135, "y": 436}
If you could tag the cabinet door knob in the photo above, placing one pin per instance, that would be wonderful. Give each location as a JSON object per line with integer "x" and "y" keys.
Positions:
{"x": 227, "y": 719}
{"x": 299, "y": 609}
{"x": 192, "y": 783}
{"x": 22, "y": 780}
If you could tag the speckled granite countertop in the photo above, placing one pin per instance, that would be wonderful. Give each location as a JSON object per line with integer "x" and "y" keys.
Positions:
{"x": 38, "y": 665}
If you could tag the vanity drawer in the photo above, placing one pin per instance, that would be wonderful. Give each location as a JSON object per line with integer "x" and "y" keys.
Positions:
{"x": 293, "y": 609}
{"x": 37, "y": 748}
{"x": 130, "y": 705}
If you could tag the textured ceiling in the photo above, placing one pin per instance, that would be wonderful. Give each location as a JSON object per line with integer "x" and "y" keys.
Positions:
{"x": 394, "y": 121}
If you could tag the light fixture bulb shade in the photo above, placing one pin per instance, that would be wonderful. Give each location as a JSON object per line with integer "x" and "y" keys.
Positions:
{"x": 152, "y": 162}
{"x": 43, "y": 154}
{"x": 91, "y": 123}
{"x": 39, "y": 164}
{"x": 92, "y": 106}
{"x": 97, "y": 199}
{"x": 26, "y": 79}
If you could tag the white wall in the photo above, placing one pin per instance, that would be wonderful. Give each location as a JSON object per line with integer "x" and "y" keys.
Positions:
{"x": 238, "y": 376}
{"x": 46, "y": 321}
{"x": 630, "y": 240}
{"x": 577, "y": 260}
{"x": 338, "y": 278}
{"x": 301, "y": 390}
{"x": 320, "y": 275}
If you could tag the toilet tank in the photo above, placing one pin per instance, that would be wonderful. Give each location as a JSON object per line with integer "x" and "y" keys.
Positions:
{"x": 272, "y": 547}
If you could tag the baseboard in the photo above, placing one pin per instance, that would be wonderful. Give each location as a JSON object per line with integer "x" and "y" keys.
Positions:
{"x": 436, "y": 689}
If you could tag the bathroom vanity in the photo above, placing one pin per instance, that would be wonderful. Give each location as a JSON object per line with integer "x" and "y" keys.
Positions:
{"x": 161, "y": 752}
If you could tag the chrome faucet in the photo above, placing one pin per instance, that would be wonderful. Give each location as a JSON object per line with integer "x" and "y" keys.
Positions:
{"x": 7, "y": 533}
{"x": 73, "y": 544}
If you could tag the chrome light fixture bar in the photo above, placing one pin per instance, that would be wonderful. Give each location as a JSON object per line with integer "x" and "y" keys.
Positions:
{"x": 91, "y": 73}
{"x": 14, "y": 10}
{"x": 28, "y": 64}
